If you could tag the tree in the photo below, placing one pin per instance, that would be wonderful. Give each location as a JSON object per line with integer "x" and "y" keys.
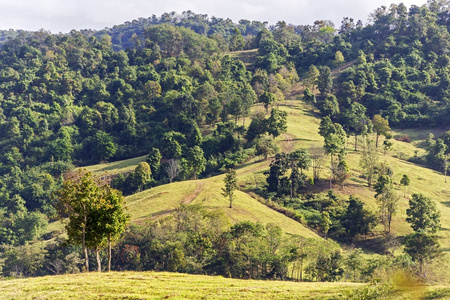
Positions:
{"x": 355, "y": 261}
{"x": 267, "y": 98}
{"x": 79, "y": 197}
{"x": 369, "y": 162}
{"x": 341, "y": 172}
{"x": 354, "y": 219}
{"x": 324, "y": 81}
{"x": 308, "y": 96}
{"x": 325, "y": 223}
{"x": 381, "y": 126}
{"x": 387, "y": 145}
{"x": 405, "y": 181}
{"x": 338, "y": 59}
{"x": 445, "y": 161}
{"x": 196, "y": 160}
{"x": 100, "y": 146}
{"x": 257, "y": 127}
{"x": 236, "y": 41}
{"x": 422, "y": 214}
{"x": 312, "y": 76}
{"x": 278, "y": 169}
{"x": 277, "y": 122}
{"x": 111, "y": 219}
{"x": 172, "y": 144}
{"x": 318, "y": 156}
{"x": 422, "y": 248}
{"x": 154, "y": 160}
{"x": 142, "y": 175}
{"x": 266, "y": 147}
{"x": 355, "y": 120}
{"x": 387, "y": 198}
{"x": 330, "y": 106}
{"x": 231, "y": 185}
{"x": 172, "y": 168}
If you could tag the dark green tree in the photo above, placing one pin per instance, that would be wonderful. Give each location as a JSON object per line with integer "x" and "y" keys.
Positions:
{"x": 196, "y": 160}
{"x": 324, "y": 81}
{"x": 422, "y": 248}
{"x": 79, "y": 197}
{"x": 277, "y": 122}
{"x": 422, "y": 214}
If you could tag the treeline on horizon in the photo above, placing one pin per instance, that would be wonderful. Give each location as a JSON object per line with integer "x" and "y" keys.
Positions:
{"x": 156, "y": 86}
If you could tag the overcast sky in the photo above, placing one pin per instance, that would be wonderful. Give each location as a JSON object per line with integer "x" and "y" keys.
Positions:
{"x": 64, "y": 15}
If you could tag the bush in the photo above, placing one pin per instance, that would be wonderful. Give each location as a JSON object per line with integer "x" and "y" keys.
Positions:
{"x": 403, "y": 138}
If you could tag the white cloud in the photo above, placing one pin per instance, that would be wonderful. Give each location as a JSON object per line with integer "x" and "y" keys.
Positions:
{"x": 63, "y": 15}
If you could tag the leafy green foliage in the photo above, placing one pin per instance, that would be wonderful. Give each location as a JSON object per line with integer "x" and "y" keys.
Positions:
{"x": 422, "y": 214}
{"x": 231, "y": 185}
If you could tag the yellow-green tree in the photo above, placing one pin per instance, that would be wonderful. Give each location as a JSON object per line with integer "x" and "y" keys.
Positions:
{"x": 230, "y": 185}
{"x": 339, "y": 59}
{"x": 94, "y": 212}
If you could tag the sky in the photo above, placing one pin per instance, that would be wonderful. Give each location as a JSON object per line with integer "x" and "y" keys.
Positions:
{"x": 65, "y": 15}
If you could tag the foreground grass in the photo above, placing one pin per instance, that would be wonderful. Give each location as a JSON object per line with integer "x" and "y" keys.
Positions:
{"x": 165, "y": 285}
{"x": 155, "y": 285}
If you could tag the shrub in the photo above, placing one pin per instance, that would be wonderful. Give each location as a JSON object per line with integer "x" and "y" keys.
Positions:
{"x": 403, "y": 138}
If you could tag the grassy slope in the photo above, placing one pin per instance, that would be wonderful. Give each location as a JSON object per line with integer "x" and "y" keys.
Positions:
{"x": 303, "y": 127}
{"x": 122, "y": 166}
{"x": 162, "y": 285}
{"x": 207, "y": 192}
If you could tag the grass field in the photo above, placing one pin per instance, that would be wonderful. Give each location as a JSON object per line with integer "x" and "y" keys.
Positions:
{"x": 165, "y": 285}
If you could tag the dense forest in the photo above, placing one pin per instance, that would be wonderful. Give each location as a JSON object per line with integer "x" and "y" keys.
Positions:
{"x": 171, "y": 88}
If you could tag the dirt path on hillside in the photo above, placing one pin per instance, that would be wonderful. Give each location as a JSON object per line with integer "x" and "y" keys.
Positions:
{"x": 343, "y": 67}
{"x": 187, "y": 200}
{"x": 288, "y": 145}
{"x": 191, "y": 197}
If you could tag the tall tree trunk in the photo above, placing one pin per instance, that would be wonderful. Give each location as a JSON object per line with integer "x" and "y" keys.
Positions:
{"x": 331, "y": 171}
{"x": 376, "y": 143}
{"x": 301, "y": 270}
{"x": 83, "y": 242}
{"x": 356, "y": 141}
{"x": 109, "y": 252}
{"x": 99, "y": 262}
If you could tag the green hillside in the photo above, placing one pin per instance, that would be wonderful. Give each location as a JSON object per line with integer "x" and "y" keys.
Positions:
{"x": 302, "y": 133}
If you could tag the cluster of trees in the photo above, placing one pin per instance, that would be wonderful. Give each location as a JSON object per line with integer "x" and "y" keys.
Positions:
{"x": 422, "y": 245}
{"x": 438, "y": 152}
{"x": 400, "y": 70}
{"x": 95, "y": 214}
{"x": 294, "y": 164}
{"x": 196, "y": 241}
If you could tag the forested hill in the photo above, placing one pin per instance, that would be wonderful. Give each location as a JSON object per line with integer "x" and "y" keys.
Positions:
{"x": 167, "y": 86}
